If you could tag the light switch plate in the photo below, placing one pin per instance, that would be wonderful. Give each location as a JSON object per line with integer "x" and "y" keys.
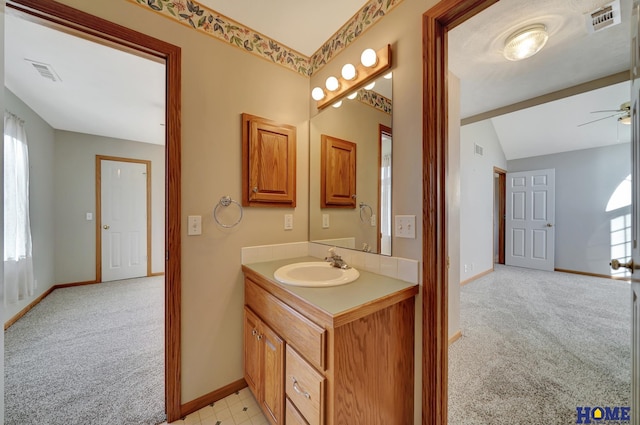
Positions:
{"x": 194, "y": 227}
{"x": 288, "y": 221}
{"x": 325, "y": 221}
{"x": 405, "y": 226}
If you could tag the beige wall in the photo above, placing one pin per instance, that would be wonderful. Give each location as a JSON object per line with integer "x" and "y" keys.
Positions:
{"x": 219, "y": 82}
{"x": 75, "y": 190}
{"x": 358, "y": 123}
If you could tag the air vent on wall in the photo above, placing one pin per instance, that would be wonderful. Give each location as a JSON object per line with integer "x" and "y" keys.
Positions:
{"x": 478, "y": 149}
{"x": 45, "y": 70}
{"x": 605, "y": 17}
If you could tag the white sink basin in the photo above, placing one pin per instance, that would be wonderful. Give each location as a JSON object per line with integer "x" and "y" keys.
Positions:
{"x": 317, "y": 274}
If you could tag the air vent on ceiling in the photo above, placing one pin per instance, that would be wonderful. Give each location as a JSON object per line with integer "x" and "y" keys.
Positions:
{"x": 45, "y": 70}
{"x": 478, "y": 149}
{"x": 605, "y": 17}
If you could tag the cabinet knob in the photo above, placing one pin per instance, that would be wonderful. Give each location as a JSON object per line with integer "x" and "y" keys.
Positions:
{"x": 254, "y": 332}
{"x": 297, "y": 389}
{"x": 259, "y": 337}
{"x": 255, "y": 189}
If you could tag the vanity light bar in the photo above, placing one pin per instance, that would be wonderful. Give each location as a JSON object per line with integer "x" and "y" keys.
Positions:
{"x": 363, "y": 75}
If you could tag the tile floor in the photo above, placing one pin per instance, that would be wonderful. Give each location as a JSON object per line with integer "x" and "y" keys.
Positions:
{"x": 237, "y": 409}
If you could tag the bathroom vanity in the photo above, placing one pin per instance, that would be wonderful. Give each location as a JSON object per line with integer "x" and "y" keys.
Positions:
{"x": 337, "y": 355}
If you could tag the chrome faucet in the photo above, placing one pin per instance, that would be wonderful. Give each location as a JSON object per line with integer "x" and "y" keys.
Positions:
{"x": 335, "y": 260}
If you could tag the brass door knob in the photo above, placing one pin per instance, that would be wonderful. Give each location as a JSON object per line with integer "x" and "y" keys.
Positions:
{"x": 615, "y": 265}
{"x": 106, "y": 227}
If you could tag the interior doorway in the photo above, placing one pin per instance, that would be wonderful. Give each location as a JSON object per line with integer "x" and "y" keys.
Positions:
{"x": 84, "y": 25}
{"x": 499, "y": 213}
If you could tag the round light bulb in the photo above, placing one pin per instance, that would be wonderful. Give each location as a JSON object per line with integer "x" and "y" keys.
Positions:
{"x": 370, "y": 86}
{"x": 352, "y": 95}
{"x": 388, "y": 76}
{"x": 349, "y": 72}
{"x": 332, "y": 83}
{"x": 369, "y": 58}
{"x": 317, "y": 93}
{"x": 337, "y": 104}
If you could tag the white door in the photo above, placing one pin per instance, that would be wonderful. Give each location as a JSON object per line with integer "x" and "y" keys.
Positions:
{"x": 530, "y": 222}
{"x": 123, "y": 202}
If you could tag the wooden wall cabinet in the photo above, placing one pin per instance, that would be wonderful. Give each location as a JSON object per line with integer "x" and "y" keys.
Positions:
{"x": 337, "y": 173}
{"x": 356, "y": 368}
{"x": 268, "y": 163}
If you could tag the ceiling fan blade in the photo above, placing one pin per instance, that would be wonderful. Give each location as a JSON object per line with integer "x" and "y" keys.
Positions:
{"x": 600, "y": 119}
{"x": 608, "y": 110}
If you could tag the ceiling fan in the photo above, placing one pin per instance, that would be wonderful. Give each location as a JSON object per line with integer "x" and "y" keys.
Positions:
{"x": 623, "y": 114}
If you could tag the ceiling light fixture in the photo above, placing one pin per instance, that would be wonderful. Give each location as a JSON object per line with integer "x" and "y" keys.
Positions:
{"x": 525, "y": 42}
{"x": 373, "y": 64}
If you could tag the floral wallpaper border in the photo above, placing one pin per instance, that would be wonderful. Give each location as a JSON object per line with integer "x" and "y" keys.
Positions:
{"x": 365, "y": 18}
{"x": 376, "y": 100}
{"x": 201, "y": 18}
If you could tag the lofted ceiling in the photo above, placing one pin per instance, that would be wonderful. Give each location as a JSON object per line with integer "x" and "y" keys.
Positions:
{"x": 95, "y": 75}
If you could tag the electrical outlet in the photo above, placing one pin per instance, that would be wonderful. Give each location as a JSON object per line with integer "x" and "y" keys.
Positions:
{"x": 406, "y": 226}
{"x": 194, "y": 227}
{"x": 288, "y": 221}
{"x": 373, "y": 221}
{"x": 466, "y": 269}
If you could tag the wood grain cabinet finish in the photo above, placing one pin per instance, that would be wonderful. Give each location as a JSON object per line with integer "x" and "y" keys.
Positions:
{"x": 337, "y": 173}
{"x": 264, "y": 356}
{"x": 268, "y": 163}
{"x": 367, "y": 372}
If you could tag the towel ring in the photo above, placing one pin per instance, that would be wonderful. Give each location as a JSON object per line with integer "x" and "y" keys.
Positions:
{"x": 225, "y": 201}
{"x": 363, "y": 207}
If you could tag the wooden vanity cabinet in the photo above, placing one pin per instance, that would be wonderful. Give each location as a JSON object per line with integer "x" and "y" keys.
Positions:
{"x": 352, "y": 368}
{"x": 264, "y": 366}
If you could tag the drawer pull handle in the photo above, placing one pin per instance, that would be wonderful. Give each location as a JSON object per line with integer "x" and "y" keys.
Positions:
{"x": 296, "y": 387}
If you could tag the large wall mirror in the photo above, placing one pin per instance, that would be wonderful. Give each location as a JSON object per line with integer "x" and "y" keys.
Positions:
{"x": 351, "y": 147}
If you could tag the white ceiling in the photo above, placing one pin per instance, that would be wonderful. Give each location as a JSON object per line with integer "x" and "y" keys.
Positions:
{"x": 572, "y": 56}
{"x": 98, "y": 96}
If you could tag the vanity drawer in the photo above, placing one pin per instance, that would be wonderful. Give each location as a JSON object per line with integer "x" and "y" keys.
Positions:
{"x": 308, "y": 338}
{"x": 305, "y": 388}
{"x": 292, "y": 416}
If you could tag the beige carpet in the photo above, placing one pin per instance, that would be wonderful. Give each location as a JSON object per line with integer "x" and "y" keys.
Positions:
{"x": 536, "y": 345}
{"x": 89, "y": 355}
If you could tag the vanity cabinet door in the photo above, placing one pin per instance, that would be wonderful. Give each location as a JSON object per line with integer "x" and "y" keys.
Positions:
{"x": 264, "y": 357}
{"x": 252, "y": 352}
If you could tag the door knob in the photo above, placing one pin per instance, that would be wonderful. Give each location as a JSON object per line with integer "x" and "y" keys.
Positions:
{"x": 106, "y": 227}
{"x": 549, "y": 225}
{"x": 615, "y": 265}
